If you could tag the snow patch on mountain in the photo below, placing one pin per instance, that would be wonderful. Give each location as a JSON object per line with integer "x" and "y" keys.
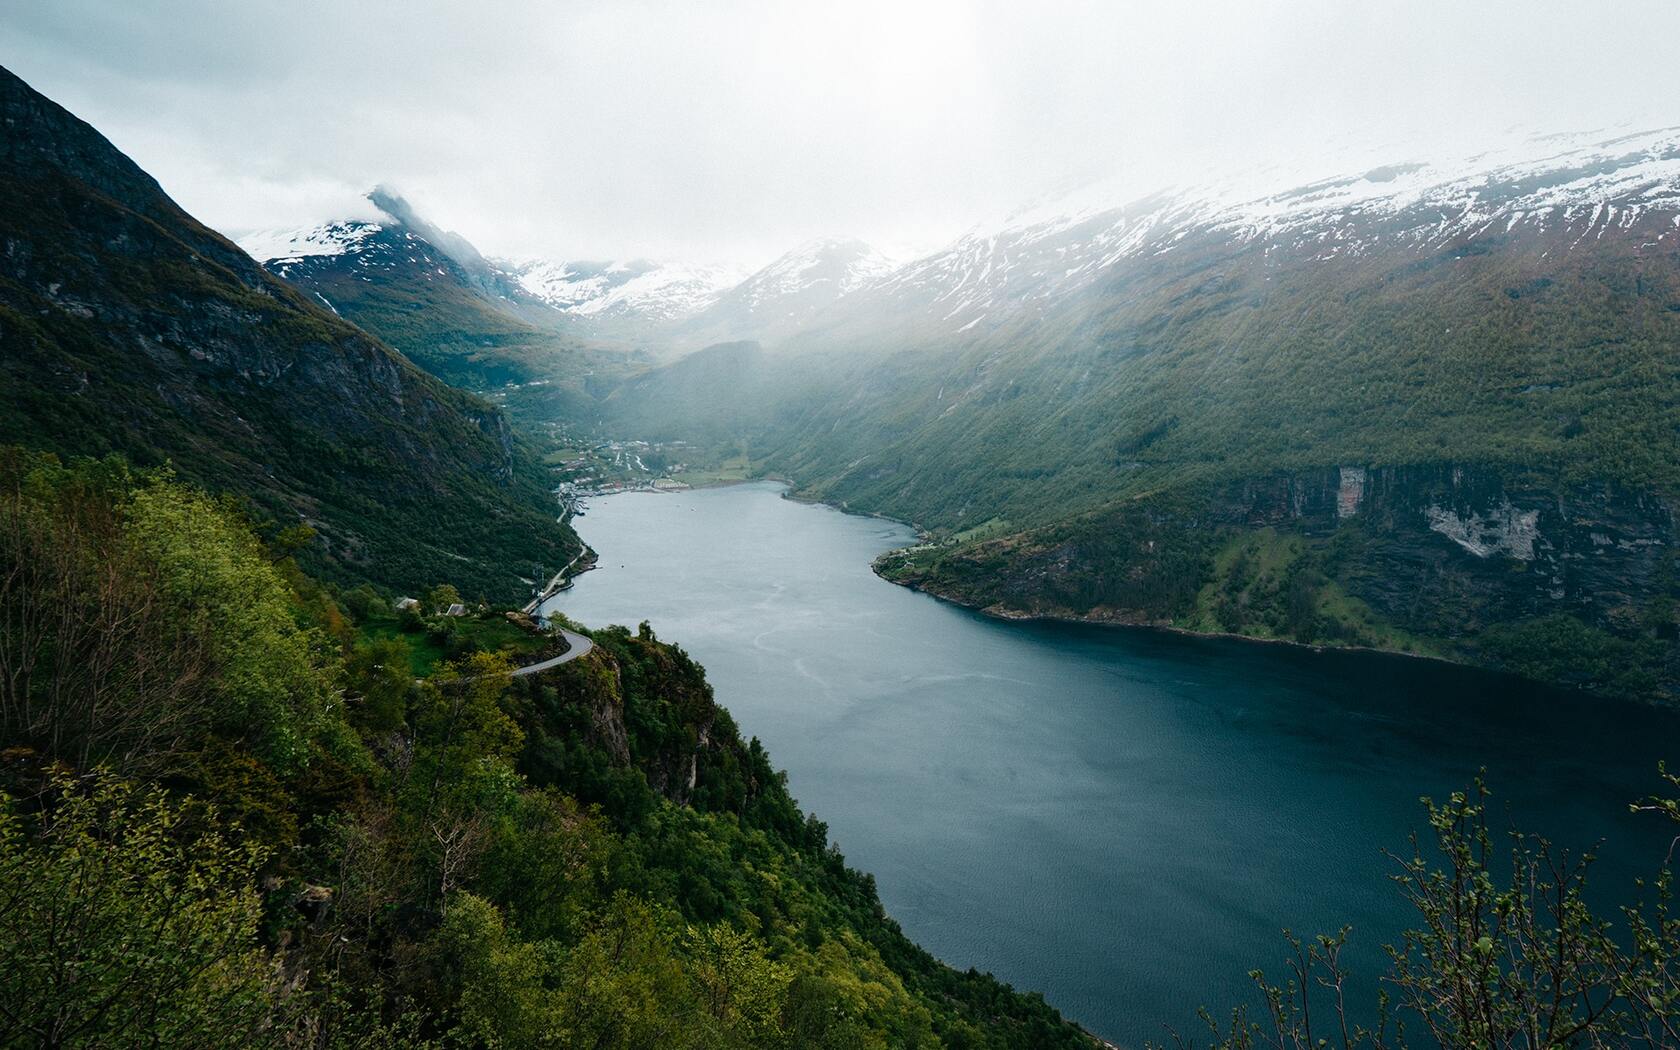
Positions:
{"x": 777, "y": 300}
{"x": 698, "y": 303}
{"x": 333, "y": 238}
{"x": 1579, "y": 184}
{"x": 837, "y": 264}
{"x": 621, "y": 289}
{"x": 1557, "y": 180}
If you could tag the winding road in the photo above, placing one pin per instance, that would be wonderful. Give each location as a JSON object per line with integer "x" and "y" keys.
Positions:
{"x": 579, "y": 646}
{"x": 554, "y": 585}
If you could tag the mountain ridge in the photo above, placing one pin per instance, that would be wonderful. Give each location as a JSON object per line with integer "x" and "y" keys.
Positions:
{"x": 1059, "y": 248}
{"x": 1577, "y": 180}
{"x": 129, "y": 327}
{"x": 636, "y": 301}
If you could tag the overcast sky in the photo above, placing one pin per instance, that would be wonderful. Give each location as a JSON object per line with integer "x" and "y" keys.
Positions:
{"x": 731, "y": 131}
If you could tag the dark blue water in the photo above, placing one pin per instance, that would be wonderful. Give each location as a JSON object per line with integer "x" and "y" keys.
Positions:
{"x": 1124, "y": 820}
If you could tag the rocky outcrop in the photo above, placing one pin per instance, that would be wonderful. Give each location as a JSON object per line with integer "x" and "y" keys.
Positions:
{"x": 1505, "y": 530}
{"x": 644, "y": 705}
{"x": 1447, "y": 549}
{"x": 606, "y": 718}
{"x": 1444, "y": 552}
{"x": 1350, "y": 492}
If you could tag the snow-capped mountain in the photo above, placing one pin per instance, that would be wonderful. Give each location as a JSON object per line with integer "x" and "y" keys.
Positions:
{"x": 354, "y": 243}
{"x": 425, "y": 291}
{"x": 1571, "y": 190}
{"x": 637, "y": 290}
{"x": 334, "y": 238}
{"x": 687, "y": 306}
{"x": 827, "y": 268}
{"x": 1568, "y": 190}
{"x": 633, "y": 298}
{"x": 651, "y": 304}
{"x": 349, "y": 263}
{"x": 392, "y": 238}
{"x": 786, "y": 295}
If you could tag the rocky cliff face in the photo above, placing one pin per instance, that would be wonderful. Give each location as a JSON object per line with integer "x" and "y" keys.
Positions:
{"x": 1450, "y": 549}
{"x": 647, "y": 707}
{"x": 1445, "y": 555}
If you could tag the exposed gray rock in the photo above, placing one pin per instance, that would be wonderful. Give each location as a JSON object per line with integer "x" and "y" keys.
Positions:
{"x": 1450, "y": 548}
{"x": 1506, "y": 529}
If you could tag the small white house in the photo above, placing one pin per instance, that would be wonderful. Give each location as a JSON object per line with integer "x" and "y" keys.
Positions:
{"x": 456, "y": 610}
{"x": 404, "y": 604}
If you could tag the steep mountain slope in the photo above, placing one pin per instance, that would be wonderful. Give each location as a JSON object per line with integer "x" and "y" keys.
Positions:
{"x": 1470, "y": 375}
{"x": 126, "y": 326}
{"x": 1524, "y": 315}
{"x": 1046, "y": 255}
{"x": 429, "y": 293}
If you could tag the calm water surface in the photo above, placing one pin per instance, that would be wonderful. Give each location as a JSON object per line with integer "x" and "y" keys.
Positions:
{"x": 1123, "y": 820}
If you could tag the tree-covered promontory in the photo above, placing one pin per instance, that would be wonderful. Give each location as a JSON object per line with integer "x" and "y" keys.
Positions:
{"x": 231, "y": 813}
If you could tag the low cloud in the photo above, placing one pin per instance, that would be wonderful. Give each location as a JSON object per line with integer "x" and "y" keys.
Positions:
{"x": 732, "y": 130}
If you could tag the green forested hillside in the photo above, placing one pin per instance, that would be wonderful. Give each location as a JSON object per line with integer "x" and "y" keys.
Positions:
{"x": 1229, "y": 361}
{"x": 126, "y": 326}
{"x": 228, "y": 814}
{"x": 1510, "y": 382}
{"x": 439, "y": 314}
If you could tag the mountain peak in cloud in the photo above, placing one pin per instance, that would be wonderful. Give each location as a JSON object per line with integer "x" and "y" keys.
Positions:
{"x": 452, "y": 244}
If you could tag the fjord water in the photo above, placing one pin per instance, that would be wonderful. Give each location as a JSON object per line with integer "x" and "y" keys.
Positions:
{"x": 1124, "y": 820}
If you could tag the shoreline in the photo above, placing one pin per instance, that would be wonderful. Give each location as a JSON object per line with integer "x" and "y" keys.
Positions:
{"x": 1012, "y": 616}
{"x": 791, "y": 494}
{"x": 992, "y": 612}
{"x": 921, "y": 533}
{"x": 1016, "y": 616}
{"x": 1326, "y": 669}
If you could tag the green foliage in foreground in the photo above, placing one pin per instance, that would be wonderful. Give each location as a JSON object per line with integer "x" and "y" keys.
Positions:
{"x": 125, "y": 926}
{"x": 1507, "y": 955}
{"x": 590, "y": 857}
{"x": 141, "y": 616}
{"x": 427, "y": 643}
{"x": 228, "y": 816}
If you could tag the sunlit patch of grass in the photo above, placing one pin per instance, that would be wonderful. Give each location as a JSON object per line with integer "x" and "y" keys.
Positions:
{"x": 490, "y": 633}
{"x": 986, "y": 530}
{"x": 733, "y": 468}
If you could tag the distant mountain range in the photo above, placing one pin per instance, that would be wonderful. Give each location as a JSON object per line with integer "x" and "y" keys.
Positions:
{"x": 1041, "y": 255}
{"x": 628, "y": 294}
{"x": 1628, "y": 186}
{"x": 663, "y": 307}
